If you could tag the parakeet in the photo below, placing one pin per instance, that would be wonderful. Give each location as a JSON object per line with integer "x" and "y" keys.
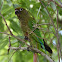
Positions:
{"x": 30, "y": 32}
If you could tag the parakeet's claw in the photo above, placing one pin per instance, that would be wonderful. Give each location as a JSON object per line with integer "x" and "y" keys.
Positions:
{"x": 28, "y": 49}
{"x": 26, "y": 38}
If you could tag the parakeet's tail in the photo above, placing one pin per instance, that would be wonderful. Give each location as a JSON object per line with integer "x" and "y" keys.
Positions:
{"x": 47, "y": 47}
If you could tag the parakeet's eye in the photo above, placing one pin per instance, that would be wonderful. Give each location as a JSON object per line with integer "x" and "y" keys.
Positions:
{"x": 21, "y": 9}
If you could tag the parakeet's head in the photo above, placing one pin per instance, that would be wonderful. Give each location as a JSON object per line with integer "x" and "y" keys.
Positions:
{"x": 21, "y": 11}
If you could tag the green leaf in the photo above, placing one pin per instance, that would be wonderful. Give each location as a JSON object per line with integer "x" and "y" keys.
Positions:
{"x": 1, "y": 2}
{"x": 60, "y": 12}
{"x": 3, "y": 42}
{"x": 15, "y": 26}
{"x": 1, "y": 25}
{"x": 53, "y": 6}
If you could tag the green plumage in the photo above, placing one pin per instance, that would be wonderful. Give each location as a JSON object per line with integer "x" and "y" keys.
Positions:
{"x": 27, "y": 22}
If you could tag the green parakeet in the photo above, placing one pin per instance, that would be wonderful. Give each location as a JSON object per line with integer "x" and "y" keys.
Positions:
{"x": 33, "y": 34}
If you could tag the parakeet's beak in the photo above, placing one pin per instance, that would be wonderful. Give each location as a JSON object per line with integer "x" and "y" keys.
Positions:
{"x": 16, "y": 11}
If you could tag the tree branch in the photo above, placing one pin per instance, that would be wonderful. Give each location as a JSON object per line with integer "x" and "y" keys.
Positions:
{"x": 30, "y": 48}
{"x": 18, "y": 48}
{"x": 33, "y": 49}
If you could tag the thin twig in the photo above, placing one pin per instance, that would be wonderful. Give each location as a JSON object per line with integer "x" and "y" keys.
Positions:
{"x": 5, "y": 33}
{"x": 56, "y": 3}
{"x": 1, "y": 4}
{"x": 44, "y": 24}
{"x": 49, "y": 15}
{"x": 58, "y": 43}
{"x": 12, "y": 55}
{"x": 20, "y": 40}
{"x": 6, "y": 24}
{"x": 60, "y": 2}
{"x": 9, "y": 45}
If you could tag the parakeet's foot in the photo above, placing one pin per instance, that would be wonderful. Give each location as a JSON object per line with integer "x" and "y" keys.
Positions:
{"x": 28, "y": 48}
{"x": 26, "y": 38}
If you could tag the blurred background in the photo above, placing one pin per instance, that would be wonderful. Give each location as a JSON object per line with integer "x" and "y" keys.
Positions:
{"x": 7, "y": 9}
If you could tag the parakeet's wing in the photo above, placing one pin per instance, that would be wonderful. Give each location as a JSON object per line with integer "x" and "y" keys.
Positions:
{"x": 36, "y": 33}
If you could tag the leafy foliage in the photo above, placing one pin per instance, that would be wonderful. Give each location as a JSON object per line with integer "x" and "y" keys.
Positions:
{"x": 43, "y": 20}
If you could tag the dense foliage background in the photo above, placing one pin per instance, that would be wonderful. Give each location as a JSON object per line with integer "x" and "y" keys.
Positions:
{"x": 49, "y": 21}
